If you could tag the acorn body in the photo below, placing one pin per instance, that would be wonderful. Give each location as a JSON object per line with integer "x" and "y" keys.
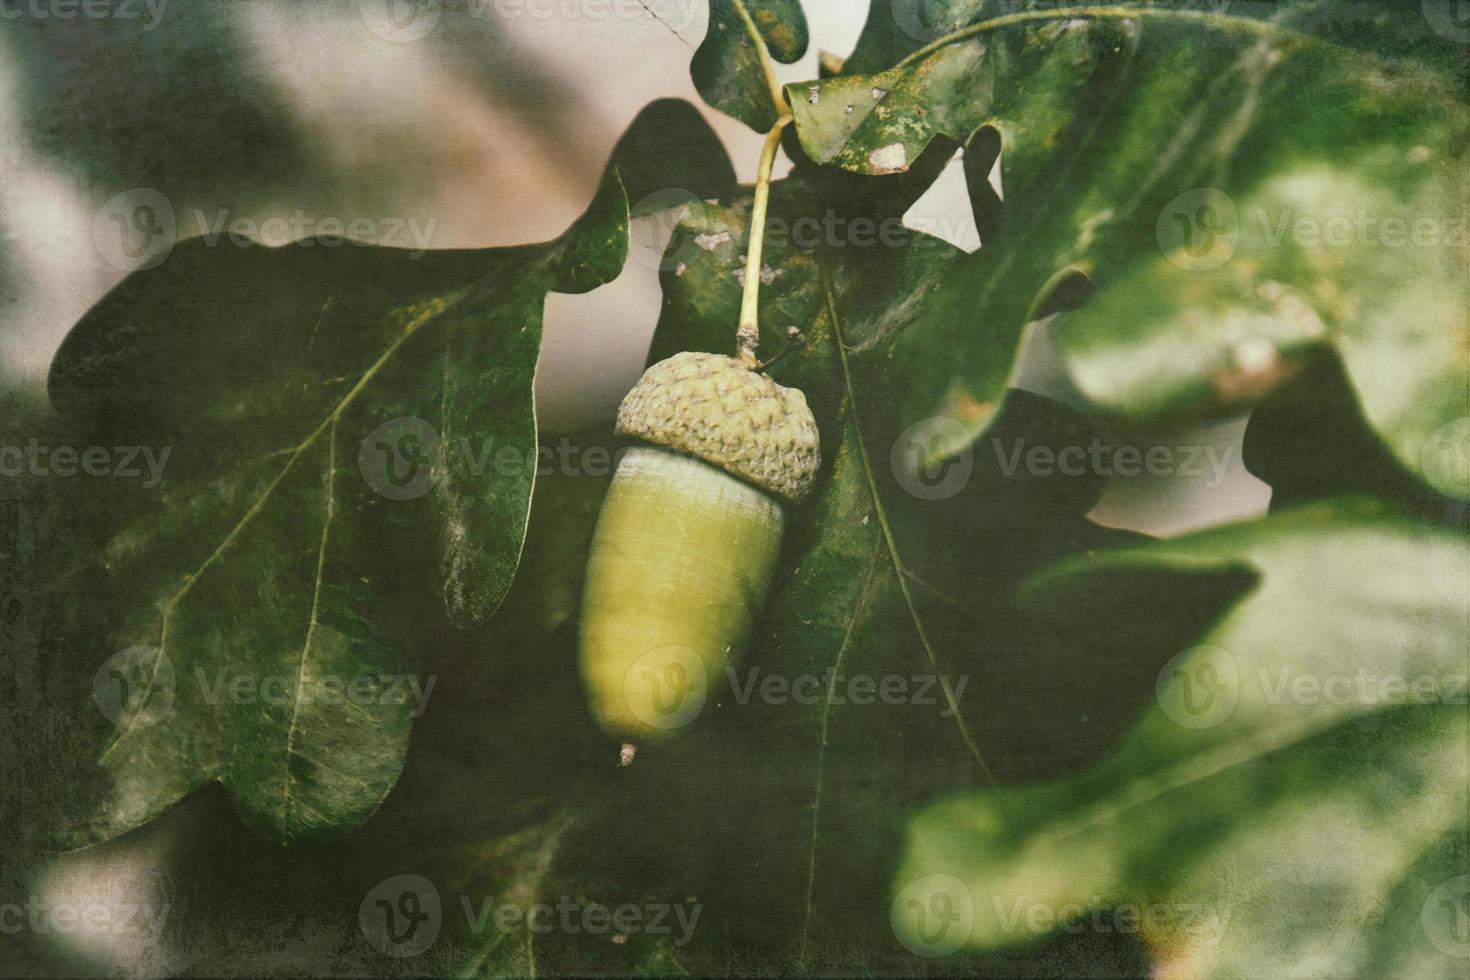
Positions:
{"x": 681, "y": 562}
{"x": 688, "y": 537}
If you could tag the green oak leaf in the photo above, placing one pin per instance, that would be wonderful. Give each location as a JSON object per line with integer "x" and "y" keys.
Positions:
{"x": 1243, "y": 190}
{"x": 329, "y": 414}
{"x": 729, "y": 69}
{"x": 351, "y": 445}
{"x": 1292, "y": 800}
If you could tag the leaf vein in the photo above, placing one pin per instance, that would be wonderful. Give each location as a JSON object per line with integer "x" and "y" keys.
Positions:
{"x": 883, "y": 523}
{"x": 171, "y": 603}
{"x": 329, "y": 511}
{"x": 864, "y": 600}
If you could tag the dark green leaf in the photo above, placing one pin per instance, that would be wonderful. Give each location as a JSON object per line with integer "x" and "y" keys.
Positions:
{"x": 333, "y": 416}
{"x": 1309, "y": 440}
{"x": 667, "y": 147}
{"x": 1287, "y": 805}
{"x": 728, "y": 69}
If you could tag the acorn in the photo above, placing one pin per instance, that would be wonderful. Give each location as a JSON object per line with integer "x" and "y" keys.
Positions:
{"x": 688, "y": 537}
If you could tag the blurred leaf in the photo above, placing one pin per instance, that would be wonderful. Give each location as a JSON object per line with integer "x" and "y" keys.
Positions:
{"x": 1309, "y": 440}
{"x": 329, "y": 417}
{"x": 1290, "y": 803}
{"x": 1241, "y": 192}
{"x": 728, "y": 70}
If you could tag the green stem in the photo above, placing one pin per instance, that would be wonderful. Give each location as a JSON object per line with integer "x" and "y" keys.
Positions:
{"x": 748, "y": 333}
{"x": 1089, "y": 13}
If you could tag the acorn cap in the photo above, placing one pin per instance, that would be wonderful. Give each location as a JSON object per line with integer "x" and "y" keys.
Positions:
{"x": 730, "y": 416}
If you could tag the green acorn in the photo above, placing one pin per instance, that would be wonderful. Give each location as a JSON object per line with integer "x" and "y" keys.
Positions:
{"x": 688, "y": 536}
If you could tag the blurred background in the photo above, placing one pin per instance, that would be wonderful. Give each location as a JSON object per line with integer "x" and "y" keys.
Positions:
{"x": 466, "y": 123}
{"x": 432, "y": 123}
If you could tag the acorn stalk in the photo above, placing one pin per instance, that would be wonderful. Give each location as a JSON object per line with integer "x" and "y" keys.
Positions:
{"x": 688, "y": 537}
